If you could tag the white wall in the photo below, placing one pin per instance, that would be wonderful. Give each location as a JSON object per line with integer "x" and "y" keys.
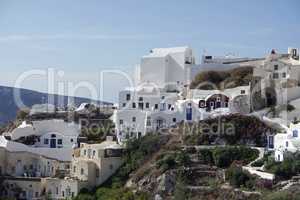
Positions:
{"x": 154, "y": 70}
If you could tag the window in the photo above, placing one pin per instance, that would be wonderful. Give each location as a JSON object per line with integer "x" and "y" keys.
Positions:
{"x": 211, "y": 103}
{"x": 121, "y": 121}
{"x": 287, "y": 144}
{"x": 63, "y": 193}
{"x": 295, "y": 133}
{"x": 271, "y": 141}
{"x": 140, "y": 98}
{"x": 162, "y": 97}
{"x": 53, "y": 135}
{"x": 133, "y": 105}
{"x": 97, "y": 173}
{"x": 56, "y": 190}
{"x": 71, "y": 140}
{"x": 84, "y": 152}
{"x": 218, "y": 98}
{"x": 131, "y": 134}
{"x": 148, "y": 121}
{"x": 82, "y": 171}
{"x": 46, "y": 141}
{"x": 275, "y": 67}
{"x": 243, "y": 91}
{"x": 133, "y": 119}
{"x": 201, "y": 104}
{"x": 169, "y": 106}
{"x": 141, "y": 105}
{"x": 156, "y": 106}
{"x": 127, "y": 97}
{"x": 283, "y": 75}
{"x": 94, "y": 153}
{"x": 59, "y": 141}
{"x": 74, "y": 169}
{"x": 275, "y": 75}
{"x": 174, "y": 120}
{"x": 124, "y": 104}
{"x": 147, "y": 105}
{"x": 189, "y": 104}
{"x": 139, "y": 134}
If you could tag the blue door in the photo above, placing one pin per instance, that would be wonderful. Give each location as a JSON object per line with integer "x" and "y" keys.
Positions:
{"x": 189, "y": 114}
{"x": 271, "y": 141}
{"x": 53, "y": 143}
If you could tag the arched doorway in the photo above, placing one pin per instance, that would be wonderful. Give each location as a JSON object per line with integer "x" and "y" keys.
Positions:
{"x": 216, "y": 101}
{"x": 271, "y": 97}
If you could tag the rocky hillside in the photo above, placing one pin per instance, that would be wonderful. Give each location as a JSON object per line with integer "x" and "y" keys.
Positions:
{"x": 233, "y": 129}
{"x": 8, "y": 107}
{"x": 161, "y": 167}
{"x": 223, "y": 79}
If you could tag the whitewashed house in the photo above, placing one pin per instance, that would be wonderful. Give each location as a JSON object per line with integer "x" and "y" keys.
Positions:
{"x": 21, "y": 160}
{"x": 95, "y": 163}
{"x": 167, "y": 68}
{"x": 287, "y": 142}
{"x": 281, "y": 72}
{"x": 54, "y": 133}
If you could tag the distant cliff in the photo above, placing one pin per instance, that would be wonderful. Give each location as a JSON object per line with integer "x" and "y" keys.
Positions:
{"x": 9, "y": 108}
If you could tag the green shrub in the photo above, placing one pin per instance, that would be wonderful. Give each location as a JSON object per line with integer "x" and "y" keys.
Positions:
{"x": 238, "y": 178}
{"x": 182, "y": 158}
{"x": 224, "y": 156}
{"x": 166, "y": 162}
{"x": 258, "y": 163}
{"x": 206, "y": 156}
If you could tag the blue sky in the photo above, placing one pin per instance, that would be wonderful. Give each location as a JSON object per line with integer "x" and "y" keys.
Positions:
{"x": 83, "y": 37}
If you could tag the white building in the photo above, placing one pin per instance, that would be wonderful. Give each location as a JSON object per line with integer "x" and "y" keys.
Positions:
{"x": 95, "y": 163}
{"x": 42, "y": 109}
{"x": 52, "y": 133}
{"x": 163, "y": 98}
{"x": 287, "y": 142}
{"x": 281, "y": 72}
{"x": 21, "y": 160}
{"x": 167, "y": 68}
{"x": 58, "y": 173}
